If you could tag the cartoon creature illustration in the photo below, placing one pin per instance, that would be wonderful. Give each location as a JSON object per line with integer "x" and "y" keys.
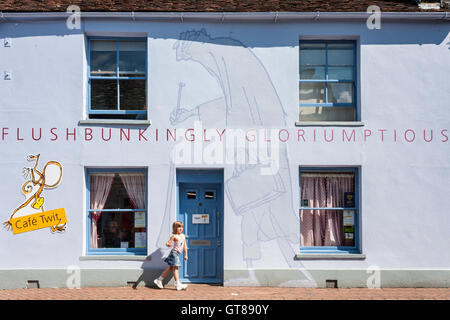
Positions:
{"x": 248, "y": 98}
{"x": 48, "y": 178}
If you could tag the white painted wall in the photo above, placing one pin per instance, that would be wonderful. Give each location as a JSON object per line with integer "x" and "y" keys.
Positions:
{"x": 403, "y": 84}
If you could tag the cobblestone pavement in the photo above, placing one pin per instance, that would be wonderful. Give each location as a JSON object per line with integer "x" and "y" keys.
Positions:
{"x": 211, "y": 292}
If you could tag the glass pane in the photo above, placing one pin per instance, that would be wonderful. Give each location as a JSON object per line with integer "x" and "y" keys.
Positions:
{"x": 103, "y": 94}
{"x": 132, "y": 58}
{"x": 116, "y": 230}
{"x": 311, "y": 72}
{"x": 313, "y": 92}
{"x": 312, "y": 54}
{"x": 326, "y": 189}
{"x": 340, "y": 92}
{"x": 118, "y": 197}
{"x": 327, "y": 114}
{"x": 325, "y": 228}
{"x": 209, "y": 195}
{"x": 340, "y": 73}
{"x": 132, "y": 94}
{"x": 340, "y": 54}
{"x": 191, "y": 195}
{"x": 103, "y": 59}
{"x": 118, "y": 116}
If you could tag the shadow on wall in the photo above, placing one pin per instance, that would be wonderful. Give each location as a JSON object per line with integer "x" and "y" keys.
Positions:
{"x": 255, "y": 34}
{"x": 148, "y": 275}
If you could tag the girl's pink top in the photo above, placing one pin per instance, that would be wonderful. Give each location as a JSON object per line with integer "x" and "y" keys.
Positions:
{"x": 178, "y": 242}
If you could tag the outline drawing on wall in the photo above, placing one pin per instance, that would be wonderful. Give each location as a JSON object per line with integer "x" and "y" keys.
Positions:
{"x": 49, "y": 177}
{"x": 248, "y": 97}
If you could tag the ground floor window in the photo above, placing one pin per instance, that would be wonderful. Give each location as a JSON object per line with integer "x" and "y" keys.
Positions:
{"x": 117, "y": 214}
{"x": 329, "y": 209}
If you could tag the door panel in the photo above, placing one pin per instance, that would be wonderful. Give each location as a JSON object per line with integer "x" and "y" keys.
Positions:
{"x": 192, "y": 268}
{"x": 199, "y": 210}
{"x": 208, "y": 268}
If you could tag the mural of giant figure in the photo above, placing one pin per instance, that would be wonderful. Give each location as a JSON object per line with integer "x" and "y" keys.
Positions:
{"x": 248, "y": 99}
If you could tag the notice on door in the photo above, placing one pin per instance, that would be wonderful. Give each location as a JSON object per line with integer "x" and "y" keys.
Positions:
{"x": 200, "y": 219}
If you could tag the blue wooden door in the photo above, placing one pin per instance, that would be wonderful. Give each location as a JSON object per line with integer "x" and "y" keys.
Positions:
{"x": 200, "y": 210}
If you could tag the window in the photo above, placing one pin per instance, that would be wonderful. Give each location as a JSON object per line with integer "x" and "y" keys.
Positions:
{"x": 329, "y": 210}
{"x": 117, "y": 212}
{"x": 191, "y": 194}
{"x": 327, "y": 81}
{"x": 117, "y": 79}
{"x": 209, "y": 195}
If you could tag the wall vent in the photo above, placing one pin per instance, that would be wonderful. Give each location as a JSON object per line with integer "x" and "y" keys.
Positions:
{"x": 33, "y": 284}
{"x": 331, "y": 284}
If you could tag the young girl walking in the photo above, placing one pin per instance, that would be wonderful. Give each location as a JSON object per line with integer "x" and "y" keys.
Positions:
{"x": 173, "y": 260}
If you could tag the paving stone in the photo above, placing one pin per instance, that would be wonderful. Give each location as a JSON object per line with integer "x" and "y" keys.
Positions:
{"x": 208, "y": 292}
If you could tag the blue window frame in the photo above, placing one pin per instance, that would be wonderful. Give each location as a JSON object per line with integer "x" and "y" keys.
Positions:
{"x": 120, "y": 227}
{"x": 117, "y": 78}
{"x": 327, "y": 82}
{"x": 329, "y": 210}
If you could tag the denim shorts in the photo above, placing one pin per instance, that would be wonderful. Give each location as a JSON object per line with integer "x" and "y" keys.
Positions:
{"x": 173, "y": 259}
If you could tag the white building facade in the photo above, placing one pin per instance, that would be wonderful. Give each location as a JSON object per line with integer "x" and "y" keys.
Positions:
{"x": 296, "y": 149}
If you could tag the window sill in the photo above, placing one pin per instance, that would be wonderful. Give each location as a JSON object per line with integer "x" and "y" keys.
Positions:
{"x": 114, "y": 121}
{"x": 327, "y": 256}
{"x": 329, "y": 123}
{"x": 115, "y": 258}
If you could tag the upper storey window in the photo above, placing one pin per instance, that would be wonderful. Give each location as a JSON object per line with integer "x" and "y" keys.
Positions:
{"x": 117, "y": 79}
{"x": 327, "y": 81}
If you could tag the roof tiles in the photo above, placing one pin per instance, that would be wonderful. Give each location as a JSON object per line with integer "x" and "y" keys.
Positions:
{"x": 209, "y": 6}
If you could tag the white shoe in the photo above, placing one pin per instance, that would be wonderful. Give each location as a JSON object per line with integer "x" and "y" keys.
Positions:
{"x": 158, "y": 283}
{"x": 181, "y": 286}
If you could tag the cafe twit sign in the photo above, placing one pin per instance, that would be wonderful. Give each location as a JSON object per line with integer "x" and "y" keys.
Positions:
{"x": 30, "y": 215}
